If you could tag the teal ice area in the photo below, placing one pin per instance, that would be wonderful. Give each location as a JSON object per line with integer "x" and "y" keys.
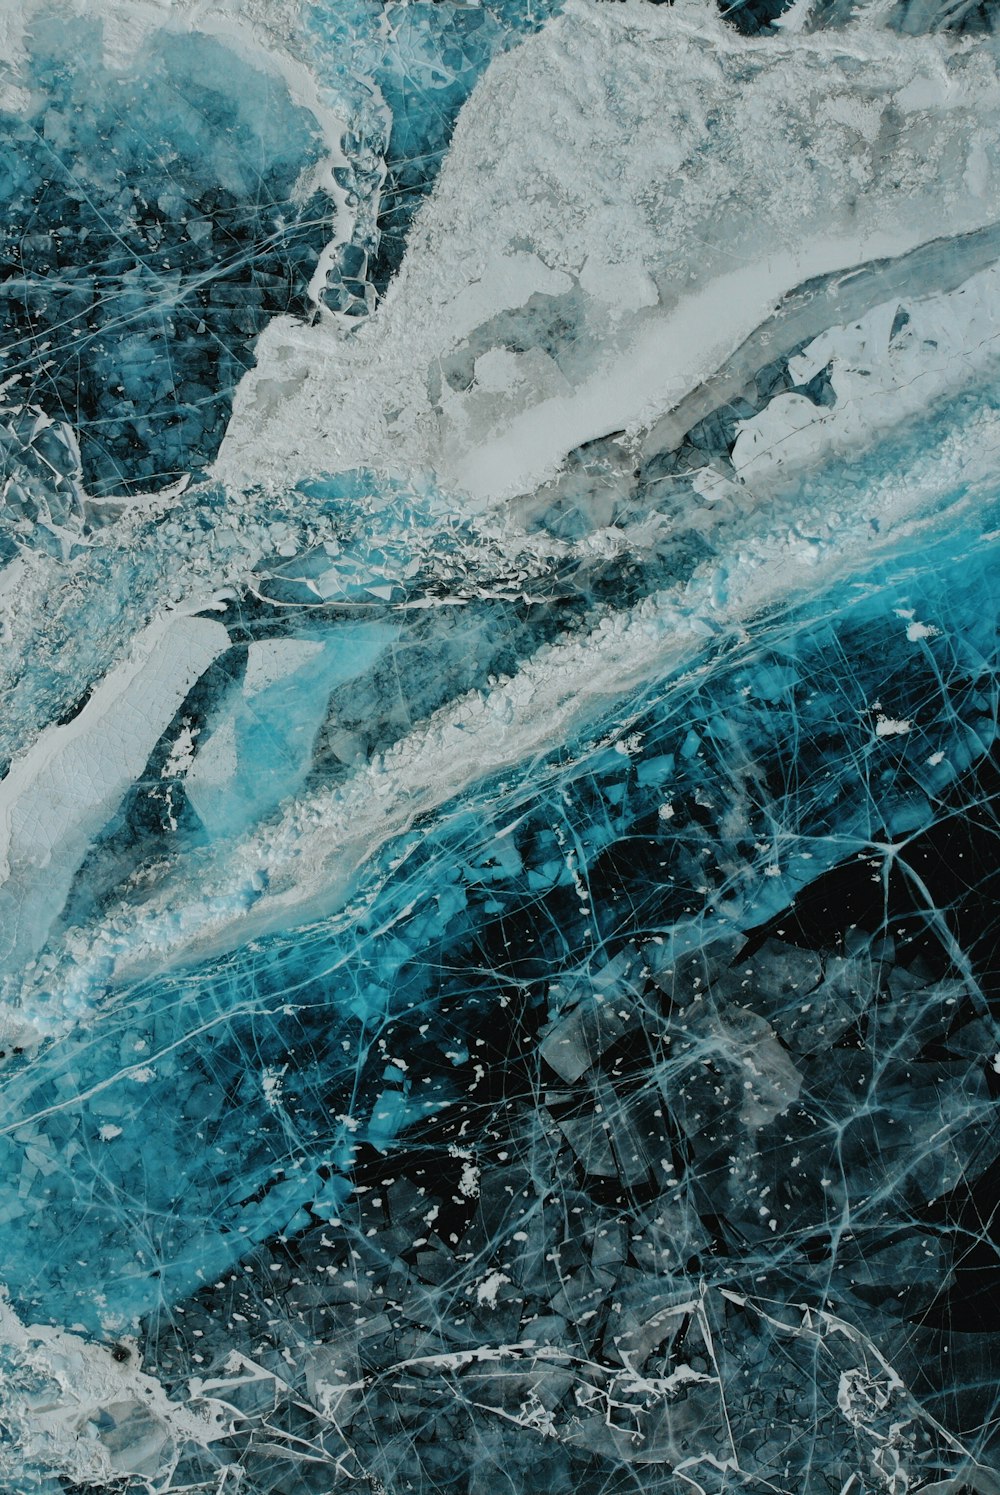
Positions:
{"x": 154, "y": 221}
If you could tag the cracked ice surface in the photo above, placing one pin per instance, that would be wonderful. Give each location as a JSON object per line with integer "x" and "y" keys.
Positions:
{"x": 498, "y": 827}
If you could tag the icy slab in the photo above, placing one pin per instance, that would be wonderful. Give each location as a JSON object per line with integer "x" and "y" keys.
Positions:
{"x": 63, "y": 791}
{"x": 258, "y": 749}
{"x": 899, "y": 360}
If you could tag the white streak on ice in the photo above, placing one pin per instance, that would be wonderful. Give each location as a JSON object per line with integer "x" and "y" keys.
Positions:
{"x": 60, "y": 794}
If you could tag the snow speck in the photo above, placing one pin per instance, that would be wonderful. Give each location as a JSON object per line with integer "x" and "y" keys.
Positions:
{"x": 887, "y": 726}
{"x": 917, "y": 631}
{"x": 271, "y": 1084}
{"x": 487, "y": 1289}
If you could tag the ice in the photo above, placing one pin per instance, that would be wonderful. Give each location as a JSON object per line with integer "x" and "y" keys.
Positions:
{"x": 403, "y": 73}
{"x": 499, "y": 714}
{"x": 900, "y": 359}
{"x": 258, "y": 749}
{"x": 86, "y": 1412}
{"x": 594, "y": 360}
{"x": 63, "y": 791}
{"x": 44, "y": 496}
{"x": 307, "y": 858}
{"x": 155, "y": 217}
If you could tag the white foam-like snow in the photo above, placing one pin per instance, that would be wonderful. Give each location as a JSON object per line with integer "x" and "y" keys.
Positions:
{"x": 637, "y": 187}
{"x": 89, "y": 1392}
{"x": 60, "y": 793}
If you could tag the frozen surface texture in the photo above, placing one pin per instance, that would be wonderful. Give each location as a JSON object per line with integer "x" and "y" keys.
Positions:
{"x": 499, "y": 837}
